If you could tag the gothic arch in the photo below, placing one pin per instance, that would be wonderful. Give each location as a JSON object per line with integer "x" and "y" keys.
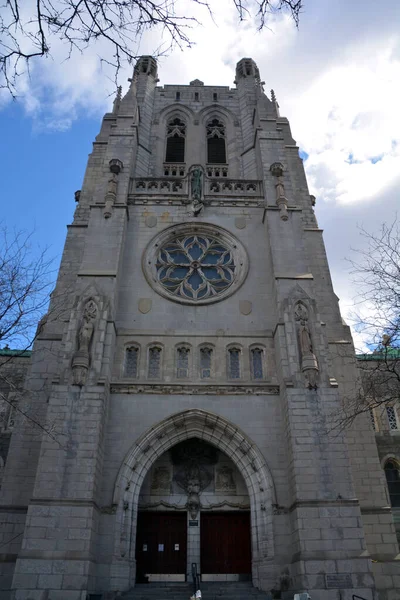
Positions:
{"x": 176, "y": 110}
{"x": 216, "y": 111}
{"x": 226, "y": 437}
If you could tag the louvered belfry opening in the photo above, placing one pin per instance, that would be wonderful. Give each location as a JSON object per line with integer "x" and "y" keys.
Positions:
{"x": 216, "y": 149}
{"x": 176, "y": 133}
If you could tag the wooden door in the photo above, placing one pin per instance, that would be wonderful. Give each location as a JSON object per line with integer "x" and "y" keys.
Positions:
{"x": 225, "y": 542}
{"x": 161, "y": 543}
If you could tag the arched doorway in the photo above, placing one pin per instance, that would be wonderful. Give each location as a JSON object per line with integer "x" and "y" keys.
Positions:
{"x": 232, "y": 443}
{"x": 193, "y": 508}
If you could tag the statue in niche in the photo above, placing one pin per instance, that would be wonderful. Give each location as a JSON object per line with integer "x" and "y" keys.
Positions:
{"x": 190, "y": 458}
{"x": 309, "y": 363}
{"x": 196, "y": 191}
{"x": 193, "y": 491}
{"x": 81, "y": 359}
{"x": 224, "y": 481}
{"x": 161, "y": 480}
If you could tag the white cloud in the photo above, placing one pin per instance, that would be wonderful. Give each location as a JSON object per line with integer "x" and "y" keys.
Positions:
{"x": 336, "y": 78}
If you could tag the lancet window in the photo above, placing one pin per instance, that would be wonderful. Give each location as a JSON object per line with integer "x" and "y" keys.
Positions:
{"x": 216, "y": 149}
{"x": 257, "y": 359}
{"x": 182, "y": 362}
{"x": 372, "y": 417}
{"x": 234, "y": 363}
{"x": 205, "y": 362}
{"x": 154, "y": 367}
{"x": 392, "y": 419}
{"x": 131, "y": 362}
{"x": 393, "y": 481}
{"x": 176, "y": 135}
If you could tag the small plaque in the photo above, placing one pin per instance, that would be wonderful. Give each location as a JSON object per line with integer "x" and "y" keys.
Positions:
{"x": 339, "y": 581}
{"x": 176, "y": 547}
{"x": 144, "y": 547}
{"x": 193, "y": 523}
{"x": 161, "y": 547}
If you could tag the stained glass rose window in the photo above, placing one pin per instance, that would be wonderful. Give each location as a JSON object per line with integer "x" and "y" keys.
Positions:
{"x": 195, "y": 264}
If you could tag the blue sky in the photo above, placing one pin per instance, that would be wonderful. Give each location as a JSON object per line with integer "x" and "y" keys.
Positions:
{"x": 337, "y": 79}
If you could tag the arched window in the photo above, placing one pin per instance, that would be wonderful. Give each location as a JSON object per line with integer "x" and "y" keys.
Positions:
{"x": 257, "y": 359}
{"x": 392, "y": 418}
{"x": 216, "y": 152}
{"x": 176, "y": 133}
{"x": 131, "y": 362}
{"x": 205, "y": 362}
{"x": 393, "y": 481}
{"x": 234, "y": 363}
{"x": 182, "y": 362}
{"x": 154, "y": 367}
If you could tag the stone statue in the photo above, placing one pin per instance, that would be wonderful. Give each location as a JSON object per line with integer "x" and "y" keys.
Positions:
{"x": 81, "y": 359}
{"x": 196, "y": 184}
{"x": 193, "y": 491}
{"x": 161, "y": 480}
{"x": 309, "y": 363}
{"x": 224, "y": 480}
{"x": 196, "y": 191}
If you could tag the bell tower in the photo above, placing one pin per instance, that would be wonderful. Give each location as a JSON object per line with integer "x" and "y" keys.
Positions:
{"x": 191, "y": 361}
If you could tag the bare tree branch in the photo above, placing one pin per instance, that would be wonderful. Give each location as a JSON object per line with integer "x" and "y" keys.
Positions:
{"x": 28, "y": 29}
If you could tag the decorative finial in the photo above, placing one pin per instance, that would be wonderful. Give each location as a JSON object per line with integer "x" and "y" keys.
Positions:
{"x": 273, "y": 97}
{"x": 117, "y": 100}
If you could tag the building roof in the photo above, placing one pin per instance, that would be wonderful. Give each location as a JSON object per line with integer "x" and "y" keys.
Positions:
{"x": 9, "y": 352}
{"x": 386, "y": 354}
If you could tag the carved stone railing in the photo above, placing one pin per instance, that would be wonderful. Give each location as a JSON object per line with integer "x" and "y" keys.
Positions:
{"x": 164, "y": 186}
{"x": 178, "y": 187}
{"x": 217, "y": 170}
{"x": 171, "y": 170}
{"x": 233, "y": 187}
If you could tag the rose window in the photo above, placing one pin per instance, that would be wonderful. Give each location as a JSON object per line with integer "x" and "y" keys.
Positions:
{"x": 195, "y": 264}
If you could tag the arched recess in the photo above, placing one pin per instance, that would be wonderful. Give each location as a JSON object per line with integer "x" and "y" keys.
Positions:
{"x": 159, "y": 139}
{"x": 391, "y": 466}
{"x": 232, "y": 135}
{"x": 225, "y": 436}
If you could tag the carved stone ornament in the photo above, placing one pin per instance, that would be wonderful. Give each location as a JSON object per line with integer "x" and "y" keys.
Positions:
{"x": 161, "y": 480}
{"x": 309, "y": 363}
{"x": 196, "y": 190}
{"x": 191, "y": 475}
{"x": 81, "y": 358}
{"x": 276, "y": 169}
{"x": 281, "y": 200}
{"x": 224, "y": 480}
{"x": 115, "y": 166}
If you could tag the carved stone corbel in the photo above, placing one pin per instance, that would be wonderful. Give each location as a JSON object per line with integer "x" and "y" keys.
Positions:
{"x": 115, "y": 168}
{"x": 281, "y": 200}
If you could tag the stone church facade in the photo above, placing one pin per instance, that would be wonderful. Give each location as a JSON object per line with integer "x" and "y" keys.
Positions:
{"x": 189, "y": 366}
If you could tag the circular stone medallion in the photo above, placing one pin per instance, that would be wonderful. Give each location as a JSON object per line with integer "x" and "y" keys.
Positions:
{"x": 195, "y": 263}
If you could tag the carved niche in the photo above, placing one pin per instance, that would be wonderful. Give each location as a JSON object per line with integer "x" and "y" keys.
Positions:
{"x": 224, "y": 480}
{"x": 81, "y": 358}
{"x": 191, "y": 459}
{"x": 309, "y": 363}
{"x": 161, "y": 480}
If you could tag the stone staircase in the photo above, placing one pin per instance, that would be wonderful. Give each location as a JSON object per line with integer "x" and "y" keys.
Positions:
{"x": 182, "y": 591}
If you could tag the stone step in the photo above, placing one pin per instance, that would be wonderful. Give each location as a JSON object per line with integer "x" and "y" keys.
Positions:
{"x": 210, "y": 591}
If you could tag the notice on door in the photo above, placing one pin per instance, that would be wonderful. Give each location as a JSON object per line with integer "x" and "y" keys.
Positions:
{"x": 144, "y": 547}
{"x": 161, "y": 547}
{"x": 176, "y": 547}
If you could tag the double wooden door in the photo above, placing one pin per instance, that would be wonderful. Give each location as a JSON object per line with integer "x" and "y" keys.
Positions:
{"x": 225, "y": 545}
{"x": 161, "y": 541}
